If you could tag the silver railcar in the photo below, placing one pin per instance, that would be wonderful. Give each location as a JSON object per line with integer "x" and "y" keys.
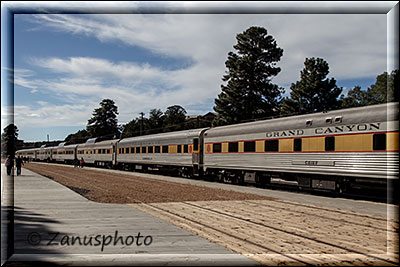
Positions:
{"x": 181, "y": 150}
{"x": 316, "y": 150}
{"x": 100, "y": 153}
{"x": 64, "y": 153}
{"x": 45, "y": 154}
{"x": 30, "y": 153}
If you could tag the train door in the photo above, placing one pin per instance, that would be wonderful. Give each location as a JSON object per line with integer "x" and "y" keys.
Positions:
{"x": 198, "y": 153}
{"x": 114, "y": 155}
{"x": 195, "y": 156}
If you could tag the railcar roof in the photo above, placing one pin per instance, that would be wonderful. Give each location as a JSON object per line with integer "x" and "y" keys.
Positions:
{"x": 102, "y": 143}
{"x": 27, "y": 149}
{"x": 162, "y": 136}
{"x": 373, "y": 113}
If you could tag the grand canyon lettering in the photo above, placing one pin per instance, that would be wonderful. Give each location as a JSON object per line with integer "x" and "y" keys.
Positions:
{"x": 328, "y": 130}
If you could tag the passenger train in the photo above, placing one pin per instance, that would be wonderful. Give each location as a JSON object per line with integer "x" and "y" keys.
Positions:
{"x": 334, "y": 150}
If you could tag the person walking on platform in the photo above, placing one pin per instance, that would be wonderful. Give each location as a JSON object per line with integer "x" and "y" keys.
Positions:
{"x": 76, "y": 162}
{"x": 18, "y": 164}
{"x": 9, "y": 164}
{"x": 82, "y": 163}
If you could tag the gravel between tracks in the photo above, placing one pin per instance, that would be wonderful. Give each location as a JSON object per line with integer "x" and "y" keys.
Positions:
{"x": 122, "y": 188}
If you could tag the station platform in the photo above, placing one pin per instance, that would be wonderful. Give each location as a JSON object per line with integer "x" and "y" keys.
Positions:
{"x": 44, "y": 221}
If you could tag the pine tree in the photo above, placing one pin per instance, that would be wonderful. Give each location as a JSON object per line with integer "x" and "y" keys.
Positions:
{"x": 104, "y": 122}
{"x": 384, "y": 90}
{"x": 355, "y": 98}
{"x": 249, "y": 92}
{"x": 314, "y": 92}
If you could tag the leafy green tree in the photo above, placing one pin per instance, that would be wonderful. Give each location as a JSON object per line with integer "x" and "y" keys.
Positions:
{"x": 249, "y": 92}
{"x": 9, "y": 139}
{"x": 175, "y": 117}
{"x": 104, "y": 122}
{"x": 131, "y": 128}
{"x": 199, "y": 122}
{"x": 79, "y": 137}
{"x": 314, "y": 92}
{"x": 156, "y": 121}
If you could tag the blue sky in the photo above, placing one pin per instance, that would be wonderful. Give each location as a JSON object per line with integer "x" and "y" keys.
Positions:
{"x": 65, "y": 64}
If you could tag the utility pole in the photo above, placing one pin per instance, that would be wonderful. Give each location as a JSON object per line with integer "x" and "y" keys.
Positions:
{"x": 141, "y": 122}
{"x": 122, "y": 130}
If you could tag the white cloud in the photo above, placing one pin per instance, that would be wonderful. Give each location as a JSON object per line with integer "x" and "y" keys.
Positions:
{"x": 22, "y": 78}
{"x": 353, "y": 45}
{"x": 100, "y": 69}
{"x": 87, "y": 80}
{"x": 50, "y": 114}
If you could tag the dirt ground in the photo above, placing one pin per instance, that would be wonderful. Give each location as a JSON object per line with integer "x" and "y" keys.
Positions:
{"x": 270, "y": 231}
{"x": 121, "y": 188}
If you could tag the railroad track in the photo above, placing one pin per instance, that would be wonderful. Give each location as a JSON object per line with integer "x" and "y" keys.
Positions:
{"x": 367, "y": 195}
{"x": 295, "y": 207}
{"x": 272, "y": 242}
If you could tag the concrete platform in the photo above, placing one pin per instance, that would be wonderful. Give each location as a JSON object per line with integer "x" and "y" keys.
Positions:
{"x": 54, "y": 224}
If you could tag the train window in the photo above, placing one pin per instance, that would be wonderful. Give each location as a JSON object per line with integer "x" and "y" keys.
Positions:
{"x": 328, "y": 120}
{"x": 179, "y": 149}
{"x": 143, "y": 149}
{"x": 379, "y": 142}
{"x": 196, "y": 144}
{"x": 164, "y": 149}
{"x": 250, "y": 146}
{"x": 108, "y": 151}
{"x": 217, "y": 148}
{"x": 137, "y": 149}
{"x": 157, "y": 149}
{"x": 150, "y": 149}
{"x": 186, "y": 149}
{"x": 338, "y": 119}
{"x": 233, "y": 147}
{"x": 330, "y": 143}
{"x": 271, "y": 145}
{"x": 297, "y": 145}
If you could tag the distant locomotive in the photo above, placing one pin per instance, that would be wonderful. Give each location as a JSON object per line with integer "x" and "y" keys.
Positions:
{"x": 335, "y": 150}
